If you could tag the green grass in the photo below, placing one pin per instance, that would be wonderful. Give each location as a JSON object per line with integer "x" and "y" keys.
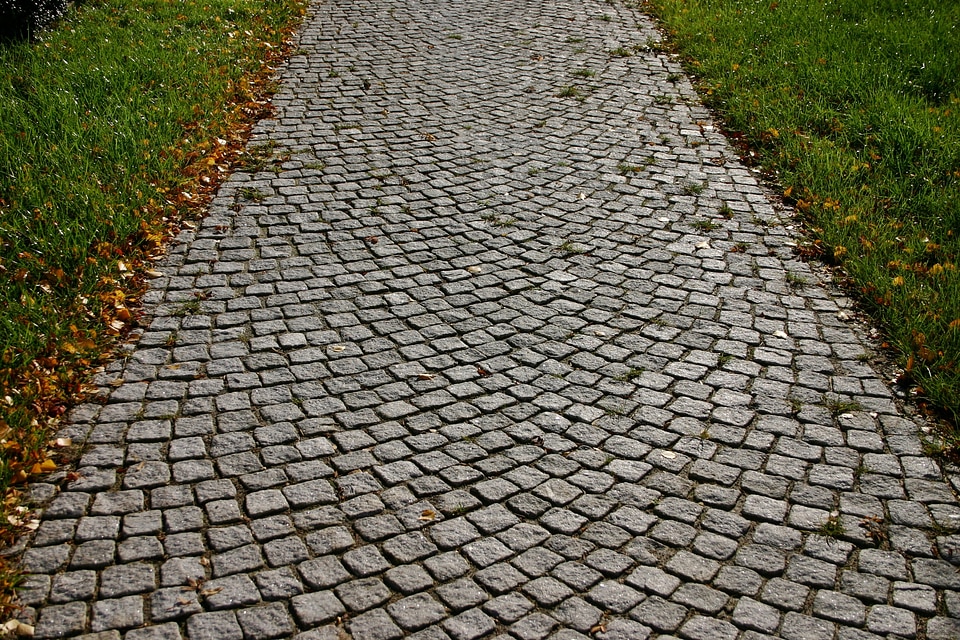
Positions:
{"x": 114, "y": 126}
{"x": 832, "y": 527}
{"x": 704, "y": 225}
{"x": 855, "y": 104}
{"x": 626, "y": 169}
{"x": 569, "y": 248}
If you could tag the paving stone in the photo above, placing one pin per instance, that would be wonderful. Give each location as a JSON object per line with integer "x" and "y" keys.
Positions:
{"x": 700, "y": 627}
{"x": 127, "y": 579}
{"x": 119, "y": 613}
{"x": 839, "y": 608}
{"x": 360, "y": 595}
{"x": 269, "y": 621}
{"x": 750, "y": 614}
{"x": 614, "y": 596}
{"x": 279, "y": 584}
{"x": 942, "y": 628}
{"x": 738, "y": 581}
{"x": 509, "y": 607}
{"x": 800, "y": 627}
{"x": 916, "y": 597}
{"x": 812, "y": 572}
{"x": 311, "y": 609}
{"x": 884, "y": 620}
{"x": 408, "y": 579}
{"x": 57, "y": 621}
{"x": 416, "y": 612}
{"x": 883, "y": 563}
{"x": 365, "y": 561}
{"x": 230, "y": 592}
{"x": 461, "y": 594}
{"x": 469, "y": 625}
{"x": 167, "y": 631}
{"x": 174, "y": 603}
{"x": 865, "y": 586}
{"x": 784, "y": 594}
{"x": 374, "y": 625}
{"x": 219, "y": 624}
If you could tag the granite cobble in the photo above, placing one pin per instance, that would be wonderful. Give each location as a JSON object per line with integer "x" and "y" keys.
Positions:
{"x": 510, "y": 344}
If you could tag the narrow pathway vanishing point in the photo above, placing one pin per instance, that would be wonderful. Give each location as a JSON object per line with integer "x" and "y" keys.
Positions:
{"x": 498, "y": 340}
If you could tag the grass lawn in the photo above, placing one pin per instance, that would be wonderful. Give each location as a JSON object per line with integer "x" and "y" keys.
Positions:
{"x": 114, "y": 124}
{"x": 854, "y": 105}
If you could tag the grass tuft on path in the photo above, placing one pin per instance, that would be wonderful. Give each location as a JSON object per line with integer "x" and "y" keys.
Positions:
{"x": 114, "y": 125}
{"x": 854, "y": 105}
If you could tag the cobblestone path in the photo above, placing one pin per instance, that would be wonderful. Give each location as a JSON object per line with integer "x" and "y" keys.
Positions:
{"x": 494, "y": 338}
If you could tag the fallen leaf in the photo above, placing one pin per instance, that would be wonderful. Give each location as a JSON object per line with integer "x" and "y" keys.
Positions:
{"x": 475, "y": 269}
{"x": 426, "y": 376}
{"x": 338, "y": 348}
{"x": 211, "y": 591}
{"x": 669, "y": 455}
{"x": 428, "y": 515}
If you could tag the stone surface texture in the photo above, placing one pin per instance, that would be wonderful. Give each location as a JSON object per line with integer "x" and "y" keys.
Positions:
{"x": 493, "y": 336}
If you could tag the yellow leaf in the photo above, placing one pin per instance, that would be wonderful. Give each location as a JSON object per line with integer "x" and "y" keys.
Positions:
{"x": 898, "y": 281}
